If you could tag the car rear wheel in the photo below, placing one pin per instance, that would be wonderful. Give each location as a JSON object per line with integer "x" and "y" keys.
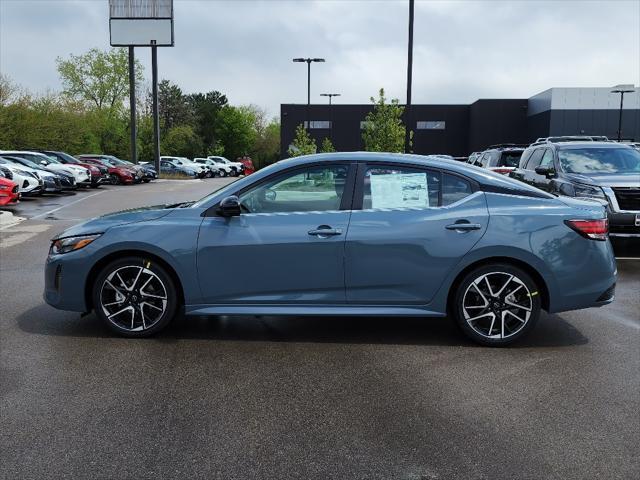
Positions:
{"x": 135, "y": 297}
{"x": 114, "y": 179}
{"x": 496, "y": 305}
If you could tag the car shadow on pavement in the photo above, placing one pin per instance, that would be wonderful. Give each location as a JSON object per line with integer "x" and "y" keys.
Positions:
{"x": 551, "y": 331}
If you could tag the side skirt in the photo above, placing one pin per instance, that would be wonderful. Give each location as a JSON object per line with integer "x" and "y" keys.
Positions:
{"x": 313, "y": 310}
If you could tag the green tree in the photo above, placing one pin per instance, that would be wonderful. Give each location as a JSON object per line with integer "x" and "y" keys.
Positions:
{"x": 327, "y": 146}
{"x": 205, "y": 108}
{"x": 383, "y": 128}
{"x": 182, "y": 141}
{"x": 173, "y": 106}
{"x": 235, "y": 130}
{"x": 98, "y": 77}
{"x": 302, "y": 144}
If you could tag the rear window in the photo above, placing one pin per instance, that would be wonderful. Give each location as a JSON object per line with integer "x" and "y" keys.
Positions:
{"x": 599, "y": 160}
{"x": 510, "y": 159}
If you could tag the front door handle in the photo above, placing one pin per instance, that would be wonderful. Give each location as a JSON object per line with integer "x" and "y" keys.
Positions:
{"x": 324, "y": 231}
{"x": 464, "y": 226}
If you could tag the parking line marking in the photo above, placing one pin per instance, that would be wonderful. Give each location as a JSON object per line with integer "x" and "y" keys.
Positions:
{"x": 67, "y": 205}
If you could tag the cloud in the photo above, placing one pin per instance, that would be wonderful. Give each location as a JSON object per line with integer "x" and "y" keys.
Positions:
{"x": 464, "y": 50}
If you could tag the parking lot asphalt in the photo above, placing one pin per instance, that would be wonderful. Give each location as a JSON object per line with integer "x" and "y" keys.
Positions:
{"x": 270, "y": 397}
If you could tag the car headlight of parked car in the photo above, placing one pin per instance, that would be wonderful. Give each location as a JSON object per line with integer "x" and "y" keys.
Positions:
{"x": 69, "y": 244}
{"x": 587, "y": 191}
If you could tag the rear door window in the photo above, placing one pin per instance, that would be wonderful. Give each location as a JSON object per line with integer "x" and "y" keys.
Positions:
{"x": 535, "y": 159}
{"x": 510, "y": 159}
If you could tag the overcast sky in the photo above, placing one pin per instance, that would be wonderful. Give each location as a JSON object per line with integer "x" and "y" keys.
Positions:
{"x": 464, "y": 50}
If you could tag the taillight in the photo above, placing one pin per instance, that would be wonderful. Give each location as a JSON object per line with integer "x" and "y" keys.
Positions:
{"x": 503, "y": 171}
{"x": 593, "y": 229}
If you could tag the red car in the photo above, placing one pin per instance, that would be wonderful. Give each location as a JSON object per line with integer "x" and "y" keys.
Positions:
{"x": 248, "y": 165}
{"x": 8, "y": 192}
{"x": 117, "y": 174}
{"x": 99, "y": 174}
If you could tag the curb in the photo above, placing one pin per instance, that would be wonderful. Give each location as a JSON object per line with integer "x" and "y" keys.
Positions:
{"x": 8, "y": 219}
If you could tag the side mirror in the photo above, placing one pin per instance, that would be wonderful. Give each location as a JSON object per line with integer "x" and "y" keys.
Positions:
{"x": 44, "y": 162}
{"x": 230, "y": 206}
{"x": 546, "y": 171}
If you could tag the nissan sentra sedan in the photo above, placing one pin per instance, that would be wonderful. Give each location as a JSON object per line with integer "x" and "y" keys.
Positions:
{"x": 367, "y": 234}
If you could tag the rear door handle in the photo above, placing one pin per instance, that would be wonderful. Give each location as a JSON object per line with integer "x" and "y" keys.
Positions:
{"x": 464, "y": 226}
{"x": 324, "y": 231}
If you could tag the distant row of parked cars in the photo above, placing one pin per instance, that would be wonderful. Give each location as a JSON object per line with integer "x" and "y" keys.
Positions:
{"x": 590, "y": 167}
{"x": 34, "y": 172}
{"x": 209, "y": 167}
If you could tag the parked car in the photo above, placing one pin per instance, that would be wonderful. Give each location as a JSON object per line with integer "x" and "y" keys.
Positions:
{"x": 64, "y": 180}
{"x": 9, "y": 191}
{"x": 236, "y": 168}
{"x": 247, "y": 165}
{"x": 139, "y": 173}
{"x": 169, "y": 167}
{"x": 303, "y": 237}
{"x": 71, "y": 175}
{"x": 183, "y": 166}
{"x": 118, "y": 174}
{"x": 502, "y": 158}
{"x": 28, "y": 180}
{"x": 224, "y": 170}
{"x": 217, "y": 170}
{"x": 99, "y": 174}
{"x": 148, "y": 171}
{"x": 473, "y": 157}
{"x": 605, "y": 172}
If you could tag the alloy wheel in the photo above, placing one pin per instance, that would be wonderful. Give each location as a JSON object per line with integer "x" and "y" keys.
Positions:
{"x": 497, "y": 305}
{"x": 133, "y": 298}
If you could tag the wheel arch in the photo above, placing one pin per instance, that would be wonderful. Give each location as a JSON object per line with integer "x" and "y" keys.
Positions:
{"x": 530, "y": 270}
{"x": 104, "y": 261}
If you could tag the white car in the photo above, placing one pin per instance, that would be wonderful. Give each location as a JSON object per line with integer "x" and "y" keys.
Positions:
{"x": 219, "y": 169}
{"x": 185, "y": 162}
{"x": 28, "y": 181}
{"x": 81, "y": 174}
{"x": 236, "y": 168}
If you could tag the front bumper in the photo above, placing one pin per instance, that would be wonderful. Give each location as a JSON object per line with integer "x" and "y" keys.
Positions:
{"x": 624, "y": 224}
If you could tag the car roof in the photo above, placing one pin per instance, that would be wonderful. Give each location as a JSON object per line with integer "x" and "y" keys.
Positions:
{"x": 595, "y": 144}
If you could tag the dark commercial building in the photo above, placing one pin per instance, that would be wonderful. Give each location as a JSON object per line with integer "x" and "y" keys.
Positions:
{"x": 461, "y": 129}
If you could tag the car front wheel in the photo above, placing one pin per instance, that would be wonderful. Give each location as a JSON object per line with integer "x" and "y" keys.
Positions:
{"x": 495, "y": 305}
{"x": 135, "y": 297}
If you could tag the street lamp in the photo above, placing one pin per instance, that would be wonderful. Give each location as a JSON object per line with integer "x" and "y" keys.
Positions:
{"x": 622, "y": 89}
{"x": 309, "y": 61}
{"x": 330, "y": 95}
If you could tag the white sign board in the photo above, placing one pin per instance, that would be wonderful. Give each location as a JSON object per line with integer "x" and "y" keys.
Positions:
{"x": 407, "y": 190}
{"x": 141, "y": 23}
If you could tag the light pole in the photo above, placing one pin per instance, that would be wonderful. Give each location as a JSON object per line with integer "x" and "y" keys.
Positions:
{"x": 308, "y": 61}
{"x": 407, "y": 113}
{"x": 330, "y": 95}
{"x": 622, "y": 89}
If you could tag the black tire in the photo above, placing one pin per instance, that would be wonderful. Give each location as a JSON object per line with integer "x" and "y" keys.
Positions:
{"x": 223, "y": 173}
{"x": 101, "y": 291}
{"x": 505, "y": 318}
{"x": 114, "y": 179}
{"x": 146, "y": 180}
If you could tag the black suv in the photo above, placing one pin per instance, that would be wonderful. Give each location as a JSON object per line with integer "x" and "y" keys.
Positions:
{"x": 603, "y": 171}
{"x": 503, "y": 158}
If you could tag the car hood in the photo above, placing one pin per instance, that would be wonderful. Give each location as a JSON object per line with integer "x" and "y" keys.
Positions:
{"x": 104, "y": 222}
{"x": 607, "y": 180}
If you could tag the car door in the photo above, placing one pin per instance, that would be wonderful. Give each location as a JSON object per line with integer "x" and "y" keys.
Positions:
{"x": 542, "y": 181}
{"x": 410, "y": 226}
{"x": 287, "y": 245}
{"x": 529, "y": 174}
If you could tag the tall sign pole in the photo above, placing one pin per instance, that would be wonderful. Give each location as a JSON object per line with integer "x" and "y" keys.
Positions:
{"x": 407, "y": 111}
{"x": 132, "y": 104}
{"x": 136, "y": 23}
{"x": 156, "y": 118}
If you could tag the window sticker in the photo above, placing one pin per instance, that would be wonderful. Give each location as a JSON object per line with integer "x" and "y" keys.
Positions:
{"x": 402, "y": 190}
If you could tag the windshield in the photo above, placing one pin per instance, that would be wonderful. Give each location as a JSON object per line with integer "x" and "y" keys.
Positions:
{"x": 67, "y": 157}
{"x": 27, "y": 163}
{"x": 510, "y": 159}
{"x": 599, "y": 160}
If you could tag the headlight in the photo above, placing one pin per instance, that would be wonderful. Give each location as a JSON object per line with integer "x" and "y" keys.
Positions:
{"x": 69, "y": 244}
{"x": 588, "y": 191}
{"x": 4, "y": 187}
